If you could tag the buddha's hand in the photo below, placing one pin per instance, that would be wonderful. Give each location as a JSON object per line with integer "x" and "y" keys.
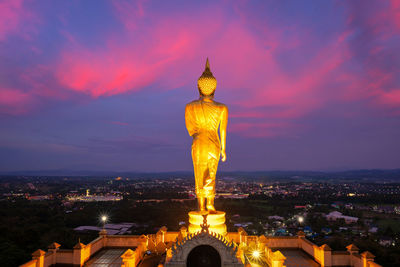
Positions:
{"x": 223, "y": 156}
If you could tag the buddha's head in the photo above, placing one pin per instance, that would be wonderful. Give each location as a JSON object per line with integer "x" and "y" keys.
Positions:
{"x": 207, "y": 82}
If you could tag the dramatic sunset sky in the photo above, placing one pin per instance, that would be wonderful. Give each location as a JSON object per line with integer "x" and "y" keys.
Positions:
{"x": 102, "y": 85}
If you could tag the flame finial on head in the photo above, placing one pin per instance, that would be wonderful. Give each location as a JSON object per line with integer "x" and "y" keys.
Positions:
{"x": 207, "y": 64}
{"x": 207, "y": 82}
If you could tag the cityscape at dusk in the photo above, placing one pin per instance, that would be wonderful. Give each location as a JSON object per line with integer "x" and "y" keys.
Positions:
{"x": 150, "y": 133}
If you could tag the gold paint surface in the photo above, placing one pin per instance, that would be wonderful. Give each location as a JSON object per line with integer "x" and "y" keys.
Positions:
{"x": 203, "y": 118}
{"x": 216, "y": 222}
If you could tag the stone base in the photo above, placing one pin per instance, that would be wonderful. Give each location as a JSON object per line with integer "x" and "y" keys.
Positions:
{"x": 215, "y": 220}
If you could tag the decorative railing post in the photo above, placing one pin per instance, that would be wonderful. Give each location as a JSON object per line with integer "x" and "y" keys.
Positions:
{"x": 54, "y": 248}
{"x": 78, "y": 259}
{"x": 38, "y": 255}
{"x": 277, "y": 259}
{"x": 128, "y": 258}
{"x": 367, "y": 257}
{"x": 352, "y": 249}
{"x": 326, "y": 252}
{"x": 301, "y": 235}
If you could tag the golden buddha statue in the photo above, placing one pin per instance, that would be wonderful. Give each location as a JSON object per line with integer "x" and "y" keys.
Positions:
{"x": 203, "y": 118}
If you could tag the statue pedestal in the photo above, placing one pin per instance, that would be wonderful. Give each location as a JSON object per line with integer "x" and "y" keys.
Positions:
{"x": 215, "y": 220}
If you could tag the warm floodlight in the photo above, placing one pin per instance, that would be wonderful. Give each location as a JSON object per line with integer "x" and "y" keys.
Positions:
{"x": 256, "y": 254}
{"x": 300, "y": 219}
{"x": 103, "y": 219}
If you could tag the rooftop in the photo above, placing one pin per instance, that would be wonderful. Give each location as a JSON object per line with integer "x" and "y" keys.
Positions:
{"x": 298, "y": 258}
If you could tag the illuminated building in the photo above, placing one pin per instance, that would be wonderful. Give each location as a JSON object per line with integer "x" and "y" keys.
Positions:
{"x": 335, "y": 215}
{"x": 177, "y": 248}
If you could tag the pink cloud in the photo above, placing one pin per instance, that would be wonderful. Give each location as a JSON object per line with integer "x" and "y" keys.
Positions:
{"x": 14, "y": 16}
{"x": 248, "y": 114}
{"x": 245, "y": 62}
{"x": 129, "y": 12}
{"x": 268, "y": 85}
{"x": 131, "y": 64}
{"x": 109, "y": 71}
{"x": 14, "y": 101}
{"x": 152, "y": 48}
{"x": 378, "y": 30}
{"x": 36, "y": 84}
{"x": 394, "y": 12}
{"x": 391, "y": 97}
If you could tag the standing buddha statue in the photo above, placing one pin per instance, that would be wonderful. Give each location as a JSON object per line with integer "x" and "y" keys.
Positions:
{"x": 203, "y": 118}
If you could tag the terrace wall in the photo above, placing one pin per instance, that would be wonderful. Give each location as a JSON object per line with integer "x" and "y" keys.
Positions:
{"x": 340, "y": 258}
{"x": 139, "y": 244}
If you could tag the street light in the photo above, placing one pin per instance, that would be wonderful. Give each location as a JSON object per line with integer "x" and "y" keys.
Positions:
{"x": 104, "y": 220}
{"x": 300, "y": 219}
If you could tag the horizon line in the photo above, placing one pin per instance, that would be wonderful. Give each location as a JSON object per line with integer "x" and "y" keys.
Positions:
{"x": 110, "y": 172}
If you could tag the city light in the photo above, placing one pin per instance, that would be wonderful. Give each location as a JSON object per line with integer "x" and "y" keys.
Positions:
{"x": 300, "y": 219}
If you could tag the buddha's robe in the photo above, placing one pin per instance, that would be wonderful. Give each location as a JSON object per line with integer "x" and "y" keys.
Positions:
{"x": 203, "y": 118}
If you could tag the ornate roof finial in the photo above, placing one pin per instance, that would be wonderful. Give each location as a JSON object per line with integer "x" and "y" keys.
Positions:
{"x": 207, "y": 64}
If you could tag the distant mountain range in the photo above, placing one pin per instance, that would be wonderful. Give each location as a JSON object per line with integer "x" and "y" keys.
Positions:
{"x": 373, "y": 175}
